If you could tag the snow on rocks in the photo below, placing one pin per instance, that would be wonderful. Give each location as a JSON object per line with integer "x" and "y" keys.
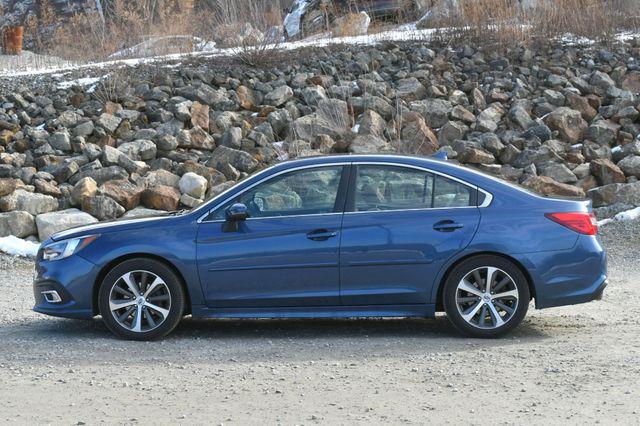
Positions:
{"x": 18, "y": 247}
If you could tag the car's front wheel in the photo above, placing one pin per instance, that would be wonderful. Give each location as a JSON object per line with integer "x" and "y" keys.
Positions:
{"x": 141, "y": 299}
{"x": 486, "y": 296}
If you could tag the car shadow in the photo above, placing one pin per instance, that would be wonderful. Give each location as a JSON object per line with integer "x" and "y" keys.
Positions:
{"x": 231, "y": 330}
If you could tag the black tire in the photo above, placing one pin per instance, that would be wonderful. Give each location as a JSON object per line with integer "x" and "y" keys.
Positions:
{"x": 468, "y": 266}
{"x": 173, "y": 288}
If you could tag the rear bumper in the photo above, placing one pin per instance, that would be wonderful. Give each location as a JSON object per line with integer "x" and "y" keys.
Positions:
{"x": 568, "y": 277}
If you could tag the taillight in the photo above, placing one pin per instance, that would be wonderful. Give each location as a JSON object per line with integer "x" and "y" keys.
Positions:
{"x": 583, "y": 223}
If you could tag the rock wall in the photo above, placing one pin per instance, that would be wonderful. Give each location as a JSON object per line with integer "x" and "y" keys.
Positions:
{"x": 559, "y": 120}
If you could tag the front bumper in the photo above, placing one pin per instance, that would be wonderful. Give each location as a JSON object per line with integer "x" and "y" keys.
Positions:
{"x": 72, "y": 280}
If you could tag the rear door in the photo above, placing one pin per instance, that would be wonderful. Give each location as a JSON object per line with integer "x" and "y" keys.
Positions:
{"x": 401, "y": 225}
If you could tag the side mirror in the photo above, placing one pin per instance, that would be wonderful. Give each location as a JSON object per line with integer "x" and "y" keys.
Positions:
{"x": 237, "y": 213}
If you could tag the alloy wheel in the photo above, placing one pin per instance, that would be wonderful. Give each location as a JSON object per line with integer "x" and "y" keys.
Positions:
{"x": 140, "y": 301}
{"x": 487, "y": 297}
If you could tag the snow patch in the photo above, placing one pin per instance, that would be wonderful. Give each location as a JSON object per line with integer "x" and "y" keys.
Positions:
{"x": 18, "y": 247}
{"x": 293, "y": 21}
{"x": 82, "y": 82}
{"x": 628, "y": 215}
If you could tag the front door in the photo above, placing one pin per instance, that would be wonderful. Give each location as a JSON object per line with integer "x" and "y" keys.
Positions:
{"x": 286, "y": 253}
{"x": 401, "y": 226}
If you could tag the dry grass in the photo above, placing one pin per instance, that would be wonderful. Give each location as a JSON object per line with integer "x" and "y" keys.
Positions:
{"x": 86, "y": 37}
{"x": 504, "y": 23}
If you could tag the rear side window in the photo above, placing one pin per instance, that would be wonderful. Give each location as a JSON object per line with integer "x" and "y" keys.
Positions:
{"x": 449, "y": 193}
{"x": 383, "y": 188}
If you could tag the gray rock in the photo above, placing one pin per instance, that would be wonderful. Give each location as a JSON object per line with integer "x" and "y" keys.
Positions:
{"x": 630, "y": 165}
{"x": 18, "y": 223}
{"x": 557, "y": 171}
{"x": 51, "y": 223}
{"x": 410, "y": 89}
{"x": 452, "y": 131}
{"x": 108, "y": 122}
{"x": 241, "y": 160}
{"x": 60, "y": 141}
{"x": 140, "y": 212}
{"x": 369, "y": 144}
{"x": 602, "y": 132}
{"x": 232, "y": 138}
{"x": 30, "y": 202}
{"x": 102, "y": 207}
{"x": 139, "y": 150}
{"x": 627, "y": 193}
{"x": 84, "y": 129}
{"x": 279, "y": 96}
{"x": 435, "y": 111}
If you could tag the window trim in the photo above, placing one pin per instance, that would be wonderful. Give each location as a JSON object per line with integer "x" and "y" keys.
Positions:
{"x": 344, "y": 166}
{"x": 350, "y": 165}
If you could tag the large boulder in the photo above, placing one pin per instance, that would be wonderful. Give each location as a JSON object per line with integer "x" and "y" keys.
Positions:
{"x": 122, "y": 192}
{"x": 569, "y": 124}
{"x": 606, "y": 171}
{"x": 86, "y": 187}
{"x": 18, "y": 223}
{"x": 630, "y": 166}
{"x": 369, "y": 144}
{"x": 30, "y": 202}
{"x": 331, "y": 118}
{"x": 193, "y": 185}
{"x": 51, "y": 223}
{"x": 102, "y": 207}
{"x": 435, "y": 111}
{"x": 241, "y": 160}
{"x": 547, "y": 186}
{"x": 628, "y": 193}
{"x": 161, "y": 198}
{"x": 416, "y": 137}
{"x": 279, "y": 96}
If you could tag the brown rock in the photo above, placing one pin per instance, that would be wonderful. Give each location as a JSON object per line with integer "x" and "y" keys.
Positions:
{"x": 569, "y": 123}
{"x": 581, "y": 104}
{"x": 547, "y": 186}
{"x": 123, "y": 192}
{"x": 112, "y": 107}
{"x": 475, "y": 156}
{"x": 47, "y": 188}
{"x": 246, "y": 97}
{"x": 7, "y": 186}
{"x": 606, "y": 171}
{"x": 200, "y": 115}
{"x": 161, "y": 198}
{"x": 632, "y": 82}
{"x": 86, "y": 187}
{"x": 417, "y": 137}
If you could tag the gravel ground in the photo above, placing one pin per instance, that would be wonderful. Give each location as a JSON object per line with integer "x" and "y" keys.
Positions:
{"x": 578, "y": 364}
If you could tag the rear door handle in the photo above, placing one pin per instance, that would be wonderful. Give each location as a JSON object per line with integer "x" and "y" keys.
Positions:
{"x": 321, "y": 235}
{"x": 447, "y": 226}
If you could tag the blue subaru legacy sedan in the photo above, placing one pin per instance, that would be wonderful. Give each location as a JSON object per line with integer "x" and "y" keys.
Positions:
{"x": 337, "y": 236}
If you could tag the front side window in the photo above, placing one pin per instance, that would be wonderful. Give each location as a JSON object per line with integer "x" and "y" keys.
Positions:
{"x": 381, "y": 187}
{"x": 300, "y": 192}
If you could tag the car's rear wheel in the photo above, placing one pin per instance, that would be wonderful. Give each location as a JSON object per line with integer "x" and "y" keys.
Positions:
{"x": 141, "y": 299}
{"x": 486, "y": 296}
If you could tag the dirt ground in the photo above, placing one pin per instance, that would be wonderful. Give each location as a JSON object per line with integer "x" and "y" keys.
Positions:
{"x": 573, "y": 365}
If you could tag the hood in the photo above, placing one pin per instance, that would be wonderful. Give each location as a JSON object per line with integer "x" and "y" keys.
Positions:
{"x": 111, "y": 226}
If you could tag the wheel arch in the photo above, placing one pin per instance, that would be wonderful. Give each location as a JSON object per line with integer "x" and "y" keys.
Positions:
{"x": 115, "y": 262}
{"x": 445, "y": 276}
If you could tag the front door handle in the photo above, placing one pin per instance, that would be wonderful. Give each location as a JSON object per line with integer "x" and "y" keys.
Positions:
{"x": 321, "y": 235}
{"x": 447, "y": 226}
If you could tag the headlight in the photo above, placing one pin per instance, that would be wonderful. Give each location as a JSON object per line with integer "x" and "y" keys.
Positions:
{"x": 63, "y": 249}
